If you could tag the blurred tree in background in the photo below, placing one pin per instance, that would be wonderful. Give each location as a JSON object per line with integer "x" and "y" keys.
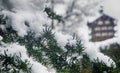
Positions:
{"x": 113, "y": 51}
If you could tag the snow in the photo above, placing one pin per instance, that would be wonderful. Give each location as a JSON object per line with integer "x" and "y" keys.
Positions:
{"x": 61, "y": 10}
{"x": 63, "y": 39}
{"x": 15, "y": 48}
{"x": 19, "y": 19}
{"x": 25, "y": 11}
{"x": 1, "y": 38}
{"x": 28, "y": 15}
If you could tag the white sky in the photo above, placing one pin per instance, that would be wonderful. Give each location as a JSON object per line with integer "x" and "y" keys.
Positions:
{"x": 112, "y": 7}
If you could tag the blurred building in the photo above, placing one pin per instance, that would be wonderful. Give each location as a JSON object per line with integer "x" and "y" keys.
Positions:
{"x": 102, "y": 28}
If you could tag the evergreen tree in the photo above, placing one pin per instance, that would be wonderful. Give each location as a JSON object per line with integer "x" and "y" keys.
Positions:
{"x": 113, "y": 51}
{"x": 45, "y": 50}
{"x": 13, "y": 64}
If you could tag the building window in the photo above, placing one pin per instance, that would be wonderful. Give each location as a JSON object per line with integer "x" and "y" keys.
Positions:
{"x": 104, "y": 34}
{"x": 110, "y": 33}
{"x": 100, "y": 22}
{"x": 97, "y": 34}
{"x": 104, "y": 28}
{"x": 97, "y": 28}
{"x": 110, "y": 28}
{"x": 107, "y": 22}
